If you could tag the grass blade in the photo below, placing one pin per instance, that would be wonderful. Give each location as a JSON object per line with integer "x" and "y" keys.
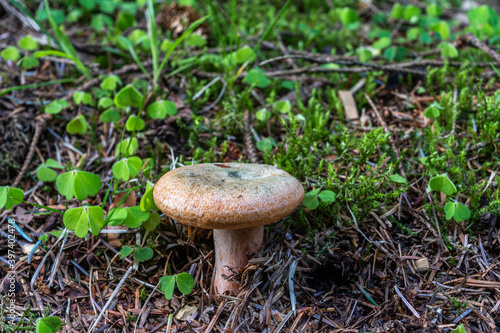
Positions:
{"x": 186, "y": 34}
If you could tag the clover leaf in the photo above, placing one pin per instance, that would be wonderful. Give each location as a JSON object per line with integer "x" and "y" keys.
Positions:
{"x": 10, "y": 196}
{"x": 27, "y": 43}
{"x": 44, "y": 171}
{"x": 141, "y": 254}
{"x": 127, "y": 167}
{"x": 456, "y": 210}
{"x": 283, "y": 106}
{"x": 258, "y": 77}
{"x": 127, "y": 147}
{"x": 243, "y": 55}
{"x": 30, "y": 62}
{"x": 110, "y": 82}
{"x": 50, "y": 324}
{"x": 152, "y": 222}
{"x": 81, "y": 97}
{"x": 78, "y": 125}
{"x": 110, "y": 115}
{"x": 147, "y": 201}
{"x": 128, "y": 96}
{"x": 433, "y": 111}
{"x": 263, "y": 114}
{"x": 105, "y": 102}
{"x": 78, "y": 183}
{"x": 10, "y": 53}
{"x": 398, "y": 179}
{"x": 134, "y": 123}
{"x": 81, "y": 218}
{"x": 126, "y": 251}
{"x": 167, "y": 285}
{"x": 442, "y": 183}
{"x": 131, "y": 217}
{"x": 56, "y": 106}
{"x": 312, "y": 198}
{"x": 266, "y": 144}
{"x": 185, "y": 284}
{"x": 160, "y": 109}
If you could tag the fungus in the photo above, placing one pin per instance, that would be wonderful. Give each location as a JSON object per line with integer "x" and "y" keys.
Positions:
{"x": 235, "y": 200}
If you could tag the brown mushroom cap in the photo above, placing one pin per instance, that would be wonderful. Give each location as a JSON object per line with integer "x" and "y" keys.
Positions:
{"x": 227, "y": 196}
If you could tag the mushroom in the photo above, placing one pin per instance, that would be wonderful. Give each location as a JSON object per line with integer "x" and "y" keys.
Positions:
{"x": 234, "y": 199}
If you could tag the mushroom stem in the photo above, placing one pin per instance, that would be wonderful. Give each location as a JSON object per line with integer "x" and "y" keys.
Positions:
{"x": 231, "y": 248}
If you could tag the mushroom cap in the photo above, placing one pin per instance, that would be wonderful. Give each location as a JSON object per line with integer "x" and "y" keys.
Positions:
{"x": 227, "y": 196}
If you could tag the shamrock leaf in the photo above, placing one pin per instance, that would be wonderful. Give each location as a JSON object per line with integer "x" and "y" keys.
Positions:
{"x": 128, "y": 96}
{"x": 147, "y": 201}
{"x": 456, "y": 210}
{"x": 50, "y": 324}
{"x": 160, "y": 109}
{"x": 80, "y": 219}
{"x": 10, "y": 196}
{"x": 143, "y": 254}
{"x": 78, "y": 125}
{"x": 127, "y": 167}
{"x": 81, "y": 184}
{"x": 443, "y": 183}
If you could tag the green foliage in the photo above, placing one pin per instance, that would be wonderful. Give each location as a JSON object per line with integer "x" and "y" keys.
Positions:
{"x": 56, "y": 106}
{"x": 459, "y": 329}
{"x": 81, "y": 97}
{"x": 110, "y": 115}
{"x": 457, "y": 211}
{"x": 132, "y": 217}
{"x": 78, "y": 125}
{"x": 29, "y": 62}
{"x": 50, "y": 324}
{"x": 141, "y": 254}
{"x": 78, "y": 183}
{"x": 127, "y": 167}
{"x": 128, "y": 96}
{"x": 127, "y": 147}
{"x": 312, "y": 198}
{"x": 44, "y": 171}
{"x": 111, "y": 82}
{"x": 160, "y": 109}
{"x": 126, "y": 251}
{"x": 10, "y": 196}
{"x": 134, "y": 123}
{"x": 348, "y": 16}
{"x": 64, "y": 43}
{"x": 243, "y": 55}
{"x": 398, "y": 179}
{"x": 184, "y": 281}
{"x": 152, "y": 222}
{"x": 10, "y": 53}
{"x": 442, "y": 183}
{"x": 266, "y": 144}
{"x": 448, "y": 50}
{"x": 80, "y": 219}
{"x": 283, "y": 106}
{"x": 147, "y": 200}
{"x": 263, "y": 114}
{"x": 27, "y": 43}
{"x": 258, "y": 77}
{"x": 433, "y": 111}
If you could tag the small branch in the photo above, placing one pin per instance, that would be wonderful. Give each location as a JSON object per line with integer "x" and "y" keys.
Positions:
{"x": 247, "y": 138}
{"x": 40, "y": 123}
{"x": 470, "y": 39}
